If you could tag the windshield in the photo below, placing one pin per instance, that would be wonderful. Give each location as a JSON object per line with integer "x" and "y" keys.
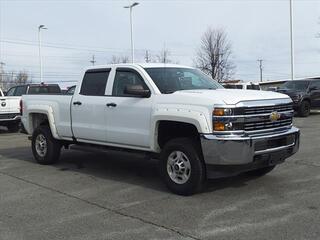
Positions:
{"x": 169, "y": 80}
{"x": 295, "y": 85}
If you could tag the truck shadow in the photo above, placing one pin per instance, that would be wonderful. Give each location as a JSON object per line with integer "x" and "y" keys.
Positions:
{"x": 119, "y": 167}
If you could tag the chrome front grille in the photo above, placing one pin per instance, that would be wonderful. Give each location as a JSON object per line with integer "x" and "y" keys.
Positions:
{"x": 252, "y": 126}
{"x": 258, "y": 118}
{"x": 268, "y": 109}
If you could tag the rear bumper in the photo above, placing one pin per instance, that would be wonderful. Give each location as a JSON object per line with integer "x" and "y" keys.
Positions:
{"x": 9, "y": 117}
{"x": 239, "y": 154}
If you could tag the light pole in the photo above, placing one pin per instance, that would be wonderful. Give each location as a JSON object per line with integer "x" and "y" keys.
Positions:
{"x": 131, "y": 29}
{"x": 291, "y": 40}
{"x": 40, "y": 57}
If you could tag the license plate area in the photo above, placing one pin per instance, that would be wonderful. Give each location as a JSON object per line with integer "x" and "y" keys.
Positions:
{"x": 275, "y": 142}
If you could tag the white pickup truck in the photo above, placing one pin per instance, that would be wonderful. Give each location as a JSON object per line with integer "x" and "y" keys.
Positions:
{"x": 9, "y": 112}
{"x": 195, "y": 127}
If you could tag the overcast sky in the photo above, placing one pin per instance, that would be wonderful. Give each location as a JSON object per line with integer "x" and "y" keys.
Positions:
{"x": 257, "y": 29}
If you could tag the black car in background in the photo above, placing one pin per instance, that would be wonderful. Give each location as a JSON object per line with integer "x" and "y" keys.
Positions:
{"x": 305, "y": 95}
{"x": 34, "y": 89}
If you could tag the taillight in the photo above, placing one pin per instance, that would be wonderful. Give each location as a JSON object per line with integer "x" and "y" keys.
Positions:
{"x": 21, "y": 107}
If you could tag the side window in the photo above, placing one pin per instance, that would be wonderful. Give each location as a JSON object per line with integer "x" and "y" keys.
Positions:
{"x": 94, "y": 82}
{"x": 125, "y": 78}
{"x": 11, "y": 91}
{"x": 20, "y": 91}
{"x": 315, "y": 85}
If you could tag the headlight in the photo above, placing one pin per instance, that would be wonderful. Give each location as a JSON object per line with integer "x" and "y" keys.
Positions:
{"x": 224, "y": 119}
{"x": 222, "y": 112}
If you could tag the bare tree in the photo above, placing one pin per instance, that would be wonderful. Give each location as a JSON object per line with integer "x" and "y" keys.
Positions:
{"x": 21, "y": 78}
{"x": 119, "y": 59}
{"x": 213, "y": 55}
{"x": 163, "y": 56}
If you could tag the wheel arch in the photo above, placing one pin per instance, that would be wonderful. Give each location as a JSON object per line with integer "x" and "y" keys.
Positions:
{"x": 42, "y": 117}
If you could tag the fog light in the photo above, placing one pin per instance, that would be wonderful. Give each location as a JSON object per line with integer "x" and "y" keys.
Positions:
{"x": 219, "y": 126}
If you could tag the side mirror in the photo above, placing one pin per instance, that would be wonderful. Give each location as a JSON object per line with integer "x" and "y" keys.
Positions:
{"x": 137, "y": 90}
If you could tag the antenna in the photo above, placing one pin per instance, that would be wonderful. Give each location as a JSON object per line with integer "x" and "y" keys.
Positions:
{"x": 147, "y": 57}
{"x": 93, "y": 61}
{"x": 261, "y": 68}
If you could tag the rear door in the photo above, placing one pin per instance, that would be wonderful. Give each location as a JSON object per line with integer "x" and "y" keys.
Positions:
{"x": 315, "y": 93}
{"x": 88, "y": 107}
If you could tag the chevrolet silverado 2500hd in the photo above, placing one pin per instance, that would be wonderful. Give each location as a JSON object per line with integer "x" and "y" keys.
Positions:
{"x": 195, "y": 127}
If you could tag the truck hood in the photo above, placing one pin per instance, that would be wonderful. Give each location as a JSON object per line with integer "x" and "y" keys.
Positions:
{"x": 232, "y": 96}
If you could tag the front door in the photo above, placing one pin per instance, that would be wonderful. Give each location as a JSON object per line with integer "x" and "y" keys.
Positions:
{"x": 128, "y": 117}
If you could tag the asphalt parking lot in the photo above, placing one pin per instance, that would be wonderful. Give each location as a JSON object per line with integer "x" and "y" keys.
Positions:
{"x": 120, "y": 196}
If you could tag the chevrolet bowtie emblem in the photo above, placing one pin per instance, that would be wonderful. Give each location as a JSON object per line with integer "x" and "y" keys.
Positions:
{"x": 274, "y": 116}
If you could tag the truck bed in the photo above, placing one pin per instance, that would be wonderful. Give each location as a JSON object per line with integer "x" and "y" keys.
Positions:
{"x": 58, "y": 104}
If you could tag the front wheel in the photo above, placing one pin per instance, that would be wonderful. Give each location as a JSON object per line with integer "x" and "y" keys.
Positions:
{"x": 304, "y": 109}
{"x": 182, "y": 167}
{"x": 45, "y": 149}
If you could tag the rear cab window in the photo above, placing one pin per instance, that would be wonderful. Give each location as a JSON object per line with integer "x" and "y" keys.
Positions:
{"x": 45, "y": 89}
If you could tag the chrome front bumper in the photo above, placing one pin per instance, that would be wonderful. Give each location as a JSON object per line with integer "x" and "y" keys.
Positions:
{"x": 237, "y": 150}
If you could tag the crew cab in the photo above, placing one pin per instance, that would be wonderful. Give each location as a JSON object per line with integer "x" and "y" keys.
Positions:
{"x": 305, "y": 95}
{"x": 177, "y": 114}
{"x": 9, "y": 112}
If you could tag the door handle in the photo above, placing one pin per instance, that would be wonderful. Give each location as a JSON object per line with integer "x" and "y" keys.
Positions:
{"x": 77, "y": 103}
{"x": 111, "y": 105}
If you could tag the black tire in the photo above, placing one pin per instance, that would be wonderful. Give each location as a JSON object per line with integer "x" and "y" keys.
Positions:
{"x": 53, "y": 147}
{"x": 304, "y": 109}
{"x": 13, "y": 127}
{"x": 260, "y": 172}
{"x": 197, "y": 173}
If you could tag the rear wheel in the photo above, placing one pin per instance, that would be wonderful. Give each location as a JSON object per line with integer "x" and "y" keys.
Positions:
{"x": 45, "y": 149}
{"x": 304, "y": 109}
{"x": 182, "y": 167}
{"x": 261, "y": 171}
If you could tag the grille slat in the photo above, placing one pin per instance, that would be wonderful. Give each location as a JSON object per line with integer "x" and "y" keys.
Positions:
{"x": 267, "y": 109}
{"x": 266, "y": 123}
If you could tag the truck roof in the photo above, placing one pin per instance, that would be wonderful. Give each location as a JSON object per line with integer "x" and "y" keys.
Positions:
{"x": 143, "y": 65}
